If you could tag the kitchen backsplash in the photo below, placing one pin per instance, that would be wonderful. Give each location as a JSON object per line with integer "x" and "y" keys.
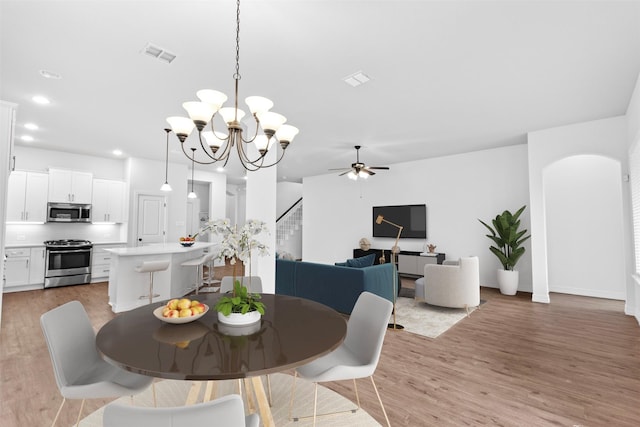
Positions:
{"x": 19, "y": 234}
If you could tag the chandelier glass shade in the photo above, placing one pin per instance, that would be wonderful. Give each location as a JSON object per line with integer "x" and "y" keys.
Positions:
{"x": 215, "y": 145}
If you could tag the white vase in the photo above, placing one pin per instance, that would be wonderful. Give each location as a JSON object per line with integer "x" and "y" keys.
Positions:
{"x": 239, "y": 319}
{"x": 508, "y": 281}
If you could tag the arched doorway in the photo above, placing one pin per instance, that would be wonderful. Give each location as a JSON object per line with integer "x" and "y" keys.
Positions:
{"x": 583, "y": 211}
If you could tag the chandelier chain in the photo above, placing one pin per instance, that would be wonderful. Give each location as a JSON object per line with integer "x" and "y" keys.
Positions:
{"x": 237, "y": 76}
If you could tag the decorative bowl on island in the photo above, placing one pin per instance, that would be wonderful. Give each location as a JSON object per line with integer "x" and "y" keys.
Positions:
{"x": 187, "y": 241}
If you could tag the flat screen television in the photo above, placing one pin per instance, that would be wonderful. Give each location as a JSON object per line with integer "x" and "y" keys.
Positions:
{"x": 413, "y": 219}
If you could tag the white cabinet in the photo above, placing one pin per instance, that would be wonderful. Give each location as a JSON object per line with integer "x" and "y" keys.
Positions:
{"x": 101, "y": 261}
{"x": 24, "y": 269}
{"x": 68, "y": 186}
{"x": 108, "y": 201}
{"x": 27, "y": 196}
{"x": 37, "y": 266}
{"x": 413, "y": 263}
{"x": 17, "y": 267}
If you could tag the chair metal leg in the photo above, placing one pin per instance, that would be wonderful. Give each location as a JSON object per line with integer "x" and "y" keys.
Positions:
{"x": 315, "y": 404}
{"x": 269, "y": 388}
{"x": 293, "y": 392}
{"x": 355, "y": 387}
{"x": 380, "y": 400}
{"x": 58, "y": 413}
{"x": 80, "y": 413}
{"x": 155, "y": 400}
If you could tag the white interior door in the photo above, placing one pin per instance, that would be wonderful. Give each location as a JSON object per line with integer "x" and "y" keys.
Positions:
{"x": 193, "y": 220}
{"x": 151, "y": 219}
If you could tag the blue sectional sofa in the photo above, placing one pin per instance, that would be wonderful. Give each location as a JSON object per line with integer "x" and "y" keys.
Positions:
{"x": 335, "y": 286}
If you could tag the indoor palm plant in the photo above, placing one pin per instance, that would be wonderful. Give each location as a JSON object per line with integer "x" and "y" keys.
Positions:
{"x": 508, "y": 240}
{"x": 241, "y": 306}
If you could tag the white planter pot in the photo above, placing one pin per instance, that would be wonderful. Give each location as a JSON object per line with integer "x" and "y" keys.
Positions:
{"x": 239, "y": 319}
{"x": 508, "y": 281}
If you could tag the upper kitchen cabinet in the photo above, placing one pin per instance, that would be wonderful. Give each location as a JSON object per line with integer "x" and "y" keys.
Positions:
{"x": 27, "y": 197}
{"x": 108, "y": 201}
{"x": 68, "y": 186}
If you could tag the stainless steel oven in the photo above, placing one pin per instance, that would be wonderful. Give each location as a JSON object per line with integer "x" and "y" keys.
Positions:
{"x": 68, "y": 262}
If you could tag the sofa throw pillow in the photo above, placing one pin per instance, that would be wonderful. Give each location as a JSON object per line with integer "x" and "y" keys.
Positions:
{"x": 365, "y": 261}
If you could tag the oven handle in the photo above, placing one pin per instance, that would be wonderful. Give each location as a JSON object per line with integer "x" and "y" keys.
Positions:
{"x": 67, "y": 251}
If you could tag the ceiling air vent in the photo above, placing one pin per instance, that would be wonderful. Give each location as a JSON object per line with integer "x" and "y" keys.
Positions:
{"x": 158, "y": 53}
{"x": 356, "y": 79}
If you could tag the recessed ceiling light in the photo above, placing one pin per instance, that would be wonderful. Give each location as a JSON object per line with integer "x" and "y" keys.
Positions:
{"x": 117, "y": 152}
{"x": 27, "y": 138}
{"x": 31, "y": 126}
{"x": 38, "y": 99}
{"x": 47, "y": 74}
{"x": 220, "y": 169}
{"x": 245, "y": 177}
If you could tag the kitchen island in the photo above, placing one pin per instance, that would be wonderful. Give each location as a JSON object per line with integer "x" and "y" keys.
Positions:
{"x": 126, "y": 286}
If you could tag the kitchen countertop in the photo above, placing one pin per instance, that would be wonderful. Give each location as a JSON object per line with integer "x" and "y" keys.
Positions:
{"x": 162, "y": 248}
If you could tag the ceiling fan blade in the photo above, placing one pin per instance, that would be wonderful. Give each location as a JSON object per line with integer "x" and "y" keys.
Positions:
{"x": 378, "y": 167}
{"x": 340, "y": 169}
{"x": 366, "y": 170}
{"x": 344, "y": 173}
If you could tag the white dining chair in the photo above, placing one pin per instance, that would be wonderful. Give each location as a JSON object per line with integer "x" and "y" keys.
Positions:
{"x": 357, "y": 356}
{"x": 227, "y": 411}
{"x": 79, "y": 370}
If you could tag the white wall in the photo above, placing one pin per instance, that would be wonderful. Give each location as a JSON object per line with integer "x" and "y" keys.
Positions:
{"x": 606, "y": 138}
{"x": 288, "y": 193}
{"x": 145, "y": 177}
{"x": 633, "y": 140}
{"x": 458, "y": 190}
{"x": 39, "y": 160}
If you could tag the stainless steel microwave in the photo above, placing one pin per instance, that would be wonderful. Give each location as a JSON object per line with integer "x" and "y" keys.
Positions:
{"x": 68, "y": 212}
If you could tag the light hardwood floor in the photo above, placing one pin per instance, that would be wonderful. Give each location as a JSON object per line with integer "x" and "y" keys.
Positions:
{"x": 574, "y": 362}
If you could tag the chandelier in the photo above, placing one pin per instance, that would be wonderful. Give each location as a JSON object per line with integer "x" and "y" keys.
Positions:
{"x": 218, "y": 146}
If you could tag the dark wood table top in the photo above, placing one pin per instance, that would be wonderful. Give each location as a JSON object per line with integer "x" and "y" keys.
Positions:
{"x": 292, "y": 332}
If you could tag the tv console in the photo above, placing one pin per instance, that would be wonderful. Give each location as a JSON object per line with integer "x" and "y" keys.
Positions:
{"x": 409, "y": 263}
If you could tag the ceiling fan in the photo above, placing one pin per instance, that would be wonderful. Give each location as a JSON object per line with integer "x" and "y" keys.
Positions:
{"x": 359, "y": 169}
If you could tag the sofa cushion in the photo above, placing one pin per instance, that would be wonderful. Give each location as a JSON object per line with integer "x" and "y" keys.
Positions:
{"x": 365, "y": 261}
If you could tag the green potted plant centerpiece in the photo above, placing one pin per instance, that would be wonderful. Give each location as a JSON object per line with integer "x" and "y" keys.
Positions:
{"x": 241, "y": 306}
{"x": 508, "y": 240}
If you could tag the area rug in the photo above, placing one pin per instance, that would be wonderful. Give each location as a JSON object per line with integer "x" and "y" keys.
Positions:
{"x": 174, "y": 393}
{"x": 424, "y": 319}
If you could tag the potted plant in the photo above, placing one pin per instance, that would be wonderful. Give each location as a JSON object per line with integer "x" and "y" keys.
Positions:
{"x": 508, "y": 239}
{"x": 241, "y": 306}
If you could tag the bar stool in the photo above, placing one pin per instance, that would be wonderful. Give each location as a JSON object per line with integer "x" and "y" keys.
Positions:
{"x": 151, "y": 267}
{"x": 209, "y": 280}
{"x": 198, "y": 263}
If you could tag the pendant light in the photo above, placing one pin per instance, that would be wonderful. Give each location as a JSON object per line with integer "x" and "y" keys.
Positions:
{"x": 192, "y": 194}
{"x": 166, "y": 186}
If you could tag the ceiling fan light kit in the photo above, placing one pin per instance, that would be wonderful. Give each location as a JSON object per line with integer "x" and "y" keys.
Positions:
{"x": 359, "y": 169}
{"x": 217, "y": 146}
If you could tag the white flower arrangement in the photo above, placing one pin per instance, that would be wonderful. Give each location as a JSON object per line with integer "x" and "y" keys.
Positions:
{"x": 238, "y": 244}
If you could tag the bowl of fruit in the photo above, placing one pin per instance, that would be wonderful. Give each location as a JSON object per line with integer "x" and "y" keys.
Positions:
{"x": 182, "y": 310}
{"x": 187, "y": 241}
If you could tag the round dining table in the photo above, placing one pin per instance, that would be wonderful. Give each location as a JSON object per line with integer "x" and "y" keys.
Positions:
{"x": 292, "y": 332}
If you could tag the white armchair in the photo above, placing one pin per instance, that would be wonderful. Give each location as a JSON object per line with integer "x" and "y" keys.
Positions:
{"x": 455, "y": 286}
